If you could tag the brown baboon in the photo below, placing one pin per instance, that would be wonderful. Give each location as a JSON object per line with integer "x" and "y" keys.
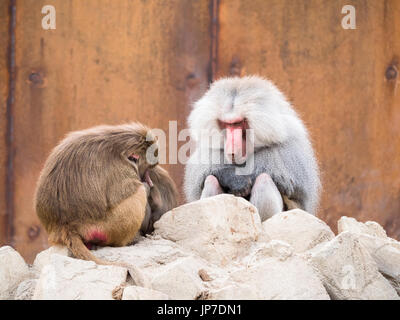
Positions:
{"x": 94, "y": 186}
{"x": 162, "y": 198}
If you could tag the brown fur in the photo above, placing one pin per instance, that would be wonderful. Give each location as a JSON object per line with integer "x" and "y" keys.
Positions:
{"x": 290, "y": 204}
{"x": 89, "y": 186}
{"x": 162, "y": 198}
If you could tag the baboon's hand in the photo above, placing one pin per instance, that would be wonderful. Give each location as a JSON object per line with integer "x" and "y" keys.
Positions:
{"x": 238, "y": 185}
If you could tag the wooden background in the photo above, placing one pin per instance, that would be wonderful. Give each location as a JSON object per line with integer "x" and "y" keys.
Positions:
{"x": 111, "y": 61}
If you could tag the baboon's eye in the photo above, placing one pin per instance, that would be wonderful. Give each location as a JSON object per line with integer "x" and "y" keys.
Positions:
{"x": 134, "y": 158}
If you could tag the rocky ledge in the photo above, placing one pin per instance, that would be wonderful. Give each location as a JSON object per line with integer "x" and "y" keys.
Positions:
{"x": 217, "y": 248}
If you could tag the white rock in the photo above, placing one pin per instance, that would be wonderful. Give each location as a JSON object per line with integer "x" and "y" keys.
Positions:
{"x": 386, "y": 256}
{"x": 26, "y": 290}
{"x": 261, "y": 250}
{"x": 237, "y": 291}
{"x": 180, "y": 280}
{"x": 43, "y": 258}
{"x": 352, "y": 225}
{"x": 217, "y": 248}
{"x": 167, "y": 267}
{"x": 298, "y": 228}
{"x": 348, "y": 270}
{"x": 151, "y": 252}
{"x": 13, "y": 270}
{"x": 384, "y": 250}
{"x": 220, "y": 228}
{"x": 273, "y": 279}
{"x": 394, "y": 283}
{"x": 140, "y": 293}
{"x": 145, "y": 257}
{"x": 73, "y": 279}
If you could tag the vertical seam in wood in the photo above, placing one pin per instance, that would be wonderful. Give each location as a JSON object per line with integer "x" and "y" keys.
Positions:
{"x": 9, "y": 228}
{"x": 214, "y": 12}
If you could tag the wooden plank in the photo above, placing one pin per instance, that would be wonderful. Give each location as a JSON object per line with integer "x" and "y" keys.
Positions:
{"x": 107, "y": 62}
{"x": 4, "y": 89}
{"x": 337, "y": 80}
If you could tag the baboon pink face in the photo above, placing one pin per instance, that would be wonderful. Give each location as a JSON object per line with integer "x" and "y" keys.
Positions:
{"x": 235, "y": 139}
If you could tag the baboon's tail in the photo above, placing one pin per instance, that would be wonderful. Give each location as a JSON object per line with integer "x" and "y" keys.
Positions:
{"x": 74, "y": 243}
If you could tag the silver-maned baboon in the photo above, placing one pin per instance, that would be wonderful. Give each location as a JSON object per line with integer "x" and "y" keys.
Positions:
{"x": 285, "y": 172}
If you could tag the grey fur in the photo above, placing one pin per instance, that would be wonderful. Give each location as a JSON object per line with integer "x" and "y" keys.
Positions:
{"x": 292, "y": 166}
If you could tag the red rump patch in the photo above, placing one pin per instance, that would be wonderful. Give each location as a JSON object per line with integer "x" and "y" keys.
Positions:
{"x": 95, "y": 237}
